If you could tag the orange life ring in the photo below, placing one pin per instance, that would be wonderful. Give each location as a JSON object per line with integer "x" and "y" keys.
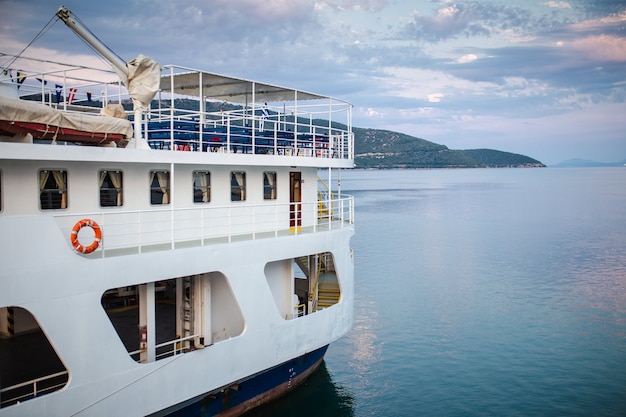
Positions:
{"x": 74, "y": 236}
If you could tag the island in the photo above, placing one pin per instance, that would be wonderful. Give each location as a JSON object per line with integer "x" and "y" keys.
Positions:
{"x": 384, "y": 149}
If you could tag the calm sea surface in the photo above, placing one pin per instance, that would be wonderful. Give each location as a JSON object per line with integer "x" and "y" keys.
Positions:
{"x": 484, "y": 292}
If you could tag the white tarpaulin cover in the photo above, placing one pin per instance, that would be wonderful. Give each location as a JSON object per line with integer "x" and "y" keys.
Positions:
{"x": 144, "y": 77}
{"x": 95, "y": 127}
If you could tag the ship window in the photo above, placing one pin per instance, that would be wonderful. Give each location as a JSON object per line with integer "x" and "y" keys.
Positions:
{"x": 53, "y": 189}
{"x": 238, "y": 186}
{"x": 29, "y": 365}
{"x": 159, "y": 187}
{"x": 269, "y": 185}
{"x": 110, "y": 188}
{"x": 190, "y": 312}
{"x": 201, "y": 187}
{"x": 303, "y": 285}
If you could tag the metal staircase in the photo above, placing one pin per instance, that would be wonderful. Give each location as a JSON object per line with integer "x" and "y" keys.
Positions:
{"x": 328, "y": 294}
{"x": 324, "y": 288}
{"x": 323, "y": 195}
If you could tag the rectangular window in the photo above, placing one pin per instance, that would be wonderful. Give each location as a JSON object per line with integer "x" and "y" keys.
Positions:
{"x": 201, "y": 187}
{"x": 237, "y": 186}
{"x": 110, "y": 188}
{"x": 53, "y": 189}
{"x": 269, "y": 185}
{"x": 159, "y": 187}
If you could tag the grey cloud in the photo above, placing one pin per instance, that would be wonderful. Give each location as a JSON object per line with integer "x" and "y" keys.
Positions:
{"x": 367, "y": 5}
{"x": 598, "y": 8}
{"x": 466, "y": 19}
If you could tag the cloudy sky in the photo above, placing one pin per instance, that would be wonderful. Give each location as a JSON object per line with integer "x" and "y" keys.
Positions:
{"x": 543, "y": 78}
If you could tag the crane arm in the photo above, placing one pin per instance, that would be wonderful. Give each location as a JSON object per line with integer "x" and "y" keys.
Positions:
{"x": 84, "y": 33}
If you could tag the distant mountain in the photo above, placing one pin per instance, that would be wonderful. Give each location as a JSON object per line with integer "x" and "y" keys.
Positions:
{"x": 583, "y": 163}
{"x": 376, "y": 148}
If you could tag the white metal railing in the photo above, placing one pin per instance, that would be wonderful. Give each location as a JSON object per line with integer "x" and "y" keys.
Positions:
{"x": 39, "y": 386}
{"x": 238, "y": 131}
{"x": 175, "y": 344}
{"x": 136, "y": 231}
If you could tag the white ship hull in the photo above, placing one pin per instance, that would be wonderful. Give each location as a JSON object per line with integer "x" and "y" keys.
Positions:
{"x": 63, "y": 292}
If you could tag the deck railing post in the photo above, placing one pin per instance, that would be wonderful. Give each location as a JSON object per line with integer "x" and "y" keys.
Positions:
{"x": 228, "y": 135}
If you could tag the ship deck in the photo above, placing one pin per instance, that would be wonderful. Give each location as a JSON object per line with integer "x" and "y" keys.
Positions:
{"x": 194, "y": 111}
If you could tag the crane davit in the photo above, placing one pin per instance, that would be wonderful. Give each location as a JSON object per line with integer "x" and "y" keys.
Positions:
{"x": 141, "y": 76}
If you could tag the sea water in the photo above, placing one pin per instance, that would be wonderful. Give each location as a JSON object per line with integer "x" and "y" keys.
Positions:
{"x": 483, "y": 292}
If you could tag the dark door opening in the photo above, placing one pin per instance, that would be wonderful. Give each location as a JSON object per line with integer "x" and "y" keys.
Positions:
{"x": 295, "y": 199}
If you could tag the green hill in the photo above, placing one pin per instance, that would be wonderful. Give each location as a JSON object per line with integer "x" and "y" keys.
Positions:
{"x": 381, "y": 149}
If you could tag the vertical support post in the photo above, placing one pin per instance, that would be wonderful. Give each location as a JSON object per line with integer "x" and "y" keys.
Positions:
{"x": 179, "y": 308}
{"x": 147, "y": 318}
{"x": 187, "y": 312}
{"x": 207, "y": 329}
{"x": 172, "y": 108}
{"x": 172, "y": 211}
{"x": 295, "y": 122}
{"x": 43, "y": 90}
{"x": 253, "y": 117}
{"x": 64, "y": 95}
{"x": 330, "y": 198}
{"x": 197, "y": 299}
{"x": 293, "y": 298}
{"x": 350, "y": 134}
{"x": 202, "y": 112}
{"x": 137, "y": 126}
{"x": 330, "y": 116}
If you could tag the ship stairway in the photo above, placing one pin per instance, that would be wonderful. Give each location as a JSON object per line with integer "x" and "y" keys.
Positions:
{"x": 322, "y": 208}
{"x": 320, "y": 270}
{"x": 324, "y": 194}
{"x": 328, "y": 294}
{"x": 324, "y": 263}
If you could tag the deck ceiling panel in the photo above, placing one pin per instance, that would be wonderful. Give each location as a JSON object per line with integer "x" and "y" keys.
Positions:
{"x": 232, "y": 90}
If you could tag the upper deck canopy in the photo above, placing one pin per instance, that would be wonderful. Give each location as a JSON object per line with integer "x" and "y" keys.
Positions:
{"x": 232, "y": 90}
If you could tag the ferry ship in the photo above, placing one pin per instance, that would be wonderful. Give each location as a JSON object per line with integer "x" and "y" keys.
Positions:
{"x": 188, "y": 257}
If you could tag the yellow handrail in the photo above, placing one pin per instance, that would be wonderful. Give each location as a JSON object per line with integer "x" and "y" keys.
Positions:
{"x": 320, "y": 199}
{"x": 300, "y": 308}
{"x": 320, "y": 267}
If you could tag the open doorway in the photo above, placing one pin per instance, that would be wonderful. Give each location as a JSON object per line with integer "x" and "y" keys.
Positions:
{"x": 295, "y": 199}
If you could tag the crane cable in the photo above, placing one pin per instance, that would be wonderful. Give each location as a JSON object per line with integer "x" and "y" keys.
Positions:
{"x": 43, "y": 31}
{"x": 46, "y": 28}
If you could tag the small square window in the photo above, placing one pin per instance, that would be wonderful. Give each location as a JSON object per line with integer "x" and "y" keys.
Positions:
{"x": 159, "y": 187}
{"x": 53, "y": 189}
{"x": 269, "y": 185}
{"x": 237, "y": 186}
{"x": 201, "y": 187}
{"x": 111, "y": 189}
